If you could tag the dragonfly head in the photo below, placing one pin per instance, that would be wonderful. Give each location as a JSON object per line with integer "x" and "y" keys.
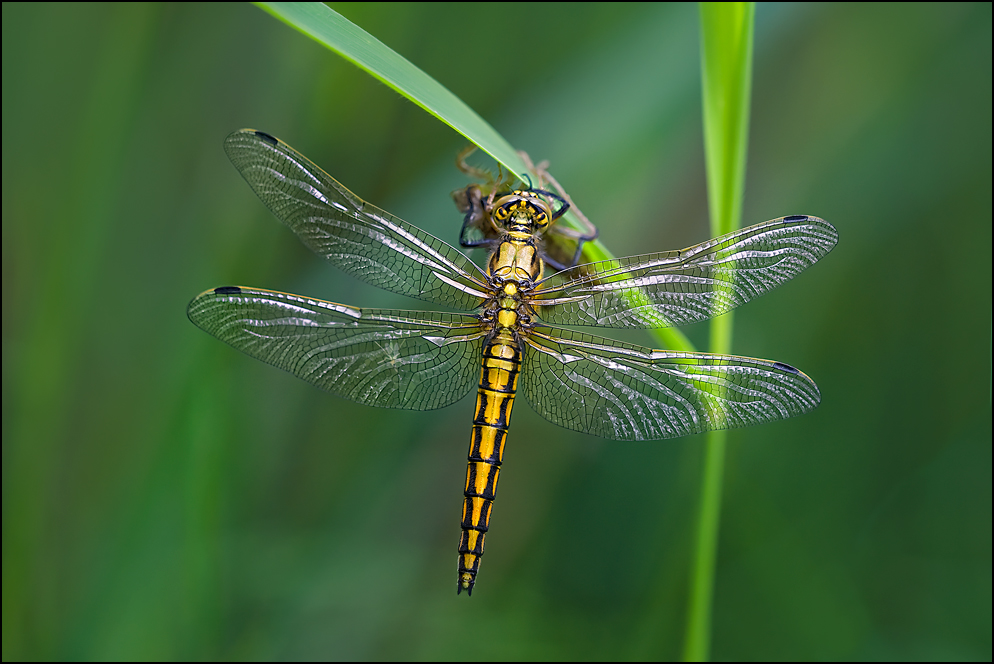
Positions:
{"x": 525, "y": 210}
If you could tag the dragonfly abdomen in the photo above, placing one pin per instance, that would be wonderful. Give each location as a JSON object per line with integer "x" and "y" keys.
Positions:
{"x": 498, "y": 382}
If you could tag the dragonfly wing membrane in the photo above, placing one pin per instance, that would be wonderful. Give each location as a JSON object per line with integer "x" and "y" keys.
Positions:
{"x": 626, "y": 392}
{"x": 357, "y": 237}
{"x": 417, "y": 360}
{"x": 681, "y": 287}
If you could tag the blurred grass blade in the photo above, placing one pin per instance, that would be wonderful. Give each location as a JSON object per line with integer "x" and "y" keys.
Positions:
{"x": 726, "y": 70}
{"x": 334, "y": 31}
{"x": 726, "y": 52}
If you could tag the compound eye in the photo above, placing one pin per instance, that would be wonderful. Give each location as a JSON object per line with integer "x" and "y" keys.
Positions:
{"x": 542, "y": 215}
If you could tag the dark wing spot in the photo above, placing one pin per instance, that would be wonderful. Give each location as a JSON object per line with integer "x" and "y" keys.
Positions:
{"x": 785, "y": 367}
{"x": 793, "y": 219}
{"x": 272, "y": 140}
{"x": 228, "y": 290}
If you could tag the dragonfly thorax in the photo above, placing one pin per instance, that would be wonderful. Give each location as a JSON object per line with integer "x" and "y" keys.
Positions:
{"x": 516, "y": 258}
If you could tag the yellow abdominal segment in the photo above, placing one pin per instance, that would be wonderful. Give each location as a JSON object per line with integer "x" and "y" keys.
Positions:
{"x": 494, "y": 398}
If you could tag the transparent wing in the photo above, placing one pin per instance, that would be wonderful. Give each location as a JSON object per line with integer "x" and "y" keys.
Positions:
{"x": 681, "y": 287}
{"x": 356, "y": 237}
{"x": 417, "y": 360}
{"x": 625, "y": 392}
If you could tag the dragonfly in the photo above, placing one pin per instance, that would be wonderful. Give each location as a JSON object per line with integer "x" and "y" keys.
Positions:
{"x": 508, "y": 336}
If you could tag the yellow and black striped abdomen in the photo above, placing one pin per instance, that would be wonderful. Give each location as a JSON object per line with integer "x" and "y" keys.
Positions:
{"x": 498, "y": 382}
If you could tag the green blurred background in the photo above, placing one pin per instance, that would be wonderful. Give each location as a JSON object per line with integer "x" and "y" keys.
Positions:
{"x": 165, "y": 497}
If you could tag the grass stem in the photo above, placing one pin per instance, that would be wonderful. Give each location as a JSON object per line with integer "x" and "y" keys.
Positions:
{"x": 726, "y": 68}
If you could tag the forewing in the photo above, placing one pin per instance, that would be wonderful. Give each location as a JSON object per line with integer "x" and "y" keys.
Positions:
{"x": 625, "y": 392}
{"x": 417, "y": 360}
{"x": 681, "y": 287}
{"x": 358, "y": 238}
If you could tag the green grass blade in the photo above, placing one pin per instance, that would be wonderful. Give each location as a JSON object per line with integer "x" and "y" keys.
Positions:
{"x": 726, "y": 66}
{"x": 328, "y": 27}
